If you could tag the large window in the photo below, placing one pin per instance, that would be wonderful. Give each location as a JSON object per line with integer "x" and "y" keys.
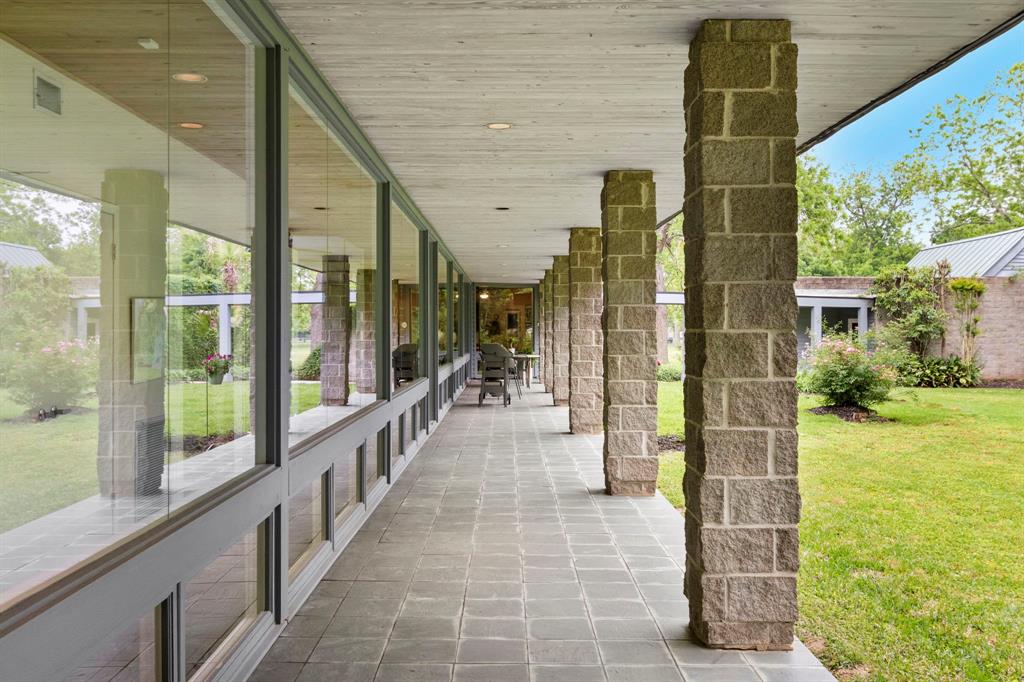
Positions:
{"x": 126, "y": 222}
{"x": 457, "y": 341}
{"x": 442, "y": 310}
{"x": 406, "y": 365}
{"x": 332, "y": 234}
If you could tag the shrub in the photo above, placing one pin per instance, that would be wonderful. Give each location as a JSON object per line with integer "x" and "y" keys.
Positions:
{"x": 912, "y": 300}
{"x": 670, "y": 372}
{"x": 844, "y": 373}
{"x": 309, "y": 370}
{"x": 57, "y": 375}
{"x": 950, "y": 372}
{"x": 179, "y": 375}
{"x": 967, "y": 293}
{"x": 890, "y": 349}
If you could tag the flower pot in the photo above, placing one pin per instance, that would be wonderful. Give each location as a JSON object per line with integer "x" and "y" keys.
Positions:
{"x": 217, "y": 379}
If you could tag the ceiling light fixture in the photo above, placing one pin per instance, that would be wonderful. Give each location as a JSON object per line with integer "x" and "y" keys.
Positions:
{"x": 484, "y": 295}
{"x": 319, "y": 208}
{"x": 191, "y": 125}
{"x": 501, "y": 208}
{"x": 502, "y": 246}
{"x": 499, "y": 126}
{"x": 189, "y": 77}
{"x": 148, "y": 44}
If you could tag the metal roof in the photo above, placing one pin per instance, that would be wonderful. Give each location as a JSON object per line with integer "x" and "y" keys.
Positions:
{"x": 21, "y": 256}
{"x": 985, "y": 256}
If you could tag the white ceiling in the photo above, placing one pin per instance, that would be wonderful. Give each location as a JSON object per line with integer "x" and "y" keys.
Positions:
{"x": 589, "y": 86}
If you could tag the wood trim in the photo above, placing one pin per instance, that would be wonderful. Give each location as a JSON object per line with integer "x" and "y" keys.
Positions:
{"x": 897, "y": 91}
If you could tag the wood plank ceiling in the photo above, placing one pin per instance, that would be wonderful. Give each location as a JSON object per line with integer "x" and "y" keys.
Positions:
{"x": 588, "y": 86}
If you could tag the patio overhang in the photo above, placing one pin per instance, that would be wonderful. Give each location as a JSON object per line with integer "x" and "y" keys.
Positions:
{"x": 588, "y": 87}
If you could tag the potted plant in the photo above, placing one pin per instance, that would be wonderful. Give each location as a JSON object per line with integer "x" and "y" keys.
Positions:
{"x": 217, "y": 366}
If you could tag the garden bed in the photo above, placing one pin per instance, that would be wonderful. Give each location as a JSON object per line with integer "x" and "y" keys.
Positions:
{"x": 850, "y": 413}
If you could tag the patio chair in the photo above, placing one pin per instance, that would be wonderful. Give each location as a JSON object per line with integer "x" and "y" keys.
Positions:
{"x": 404, "y": 362}
{"x": 495, "y": 365}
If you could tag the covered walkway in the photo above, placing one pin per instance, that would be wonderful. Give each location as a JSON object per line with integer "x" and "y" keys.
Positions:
{"x": 498, "y": 556}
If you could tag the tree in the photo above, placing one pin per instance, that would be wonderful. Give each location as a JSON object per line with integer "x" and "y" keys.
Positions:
{"x": 857, "y": 225}
{"x": 971, "y": 152}
{"x": 910, "y": 298}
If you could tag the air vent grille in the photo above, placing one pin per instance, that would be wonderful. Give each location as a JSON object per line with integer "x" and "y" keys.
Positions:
{"x": 48, "y": 95}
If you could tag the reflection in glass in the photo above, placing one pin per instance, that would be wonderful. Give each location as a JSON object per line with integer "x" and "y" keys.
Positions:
{"x": 128, "y": 656}
{"x": 405, "y": 300}
{"x": 125, "y": 245}
{"x": 374, "y": 459}
{"x": 305, "y": 524}
{"x": 505, "y": 317}
{"x": 346, "y": 486}
{"x": 221, "y": 602}
{"x": 332, "y": 235}
{"x": 442, "y": 309}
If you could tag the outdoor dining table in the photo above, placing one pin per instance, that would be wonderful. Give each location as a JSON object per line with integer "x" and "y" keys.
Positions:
{"x": 524, "y": 364}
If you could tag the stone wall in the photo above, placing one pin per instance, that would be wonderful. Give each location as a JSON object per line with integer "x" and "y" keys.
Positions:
{"x": 629, "y": 322}
{"x": 1000, "y": 347}
{"x": 742, "y": 495}
{"x": 586, "y": 340}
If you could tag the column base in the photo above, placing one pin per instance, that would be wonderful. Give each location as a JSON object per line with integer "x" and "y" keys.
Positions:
{"x": 746, "y": 636}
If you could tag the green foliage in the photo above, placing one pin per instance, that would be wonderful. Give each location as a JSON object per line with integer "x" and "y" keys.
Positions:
{"x": 891, "y": 350}
{"x": 57, "y": 375}
{"x": 912, "y": 301}
{"x": 967, "y": 293}
{"x": 309, "y": 370}
{"x": 856, "y": 225}
{"x": 844, "y": 373}
{"x": 215, "y": 363}
{"x": 971, "y": 153}
{"x": 950, "y": 372}
{"x": 33, "y": 311}
{"x": 670, "y": 372}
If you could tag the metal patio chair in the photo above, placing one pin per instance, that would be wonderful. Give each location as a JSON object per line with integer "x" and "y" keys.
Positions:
{"x": 495, "y": 366}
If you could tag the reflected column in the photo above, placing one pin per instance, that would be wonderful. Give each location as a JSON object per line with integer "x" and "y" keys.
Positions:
{"x": 365, "y": 368}
{"x": 133, "y": 246}
{"x": 336, "y": 331}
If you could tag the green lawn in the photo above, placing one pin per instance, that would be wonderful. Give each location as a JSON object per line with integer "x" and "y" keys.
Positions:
{"x": 670, "y": 408}
{"x": 911, "y": 537}
{"x": 48, "y": 465}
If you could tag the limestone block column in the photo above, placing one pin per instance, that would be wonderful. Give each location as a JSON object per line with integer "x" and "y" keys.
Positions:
{"x": 629, "y": 322}
{"x": 547, "y": 373}
{"x": 133, "y": 267}
{"x": 586, "y": 339}
{"x": 337, "y": 326}
{"x": 365, "y": 333}
{"x": 742, "y": 499}
{"x": 560, "y": 330}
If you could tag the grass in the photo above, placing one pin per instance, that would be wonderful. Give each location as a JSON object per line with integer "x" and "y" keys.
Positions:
{"x": 911, "y": 537}
{"x": 48, "y": 465}
{"x": 670, "y": 408}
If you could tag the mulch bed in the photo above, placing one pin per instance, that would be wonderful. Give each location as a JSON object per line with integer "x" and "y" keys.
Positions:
{"x": 671, "y": 444}
{"x": 850, "y": 414}
{"x": 1001, "y": 383}
{"x": 193, "y": 445}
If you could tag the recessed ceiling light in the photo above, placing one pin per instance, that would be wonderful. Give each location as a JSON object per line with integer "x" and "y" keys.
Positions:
{"x": 499, "y": 126}
{"x": 319, "y": 208}
{"x": 191, "y": 125}
{"x": 148, "y": 44}
{"x": 502, "y": 246}
{"x": 189, "y": 77}
{"x": 501, "y": 208}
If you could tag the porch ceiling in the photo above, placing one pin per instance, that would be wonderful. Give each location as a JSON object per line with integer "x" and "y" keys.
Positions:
{"x": 588, "y": 86}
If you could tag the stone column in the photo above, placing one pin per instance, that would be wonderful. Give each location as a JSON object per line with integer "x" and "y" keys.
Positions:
{"x": 541, "y": 302}
{"x": 586, "y": 339}
{"x": 365, "y": 333}
{"x": 742, "y": 499}
{"x": 133, "y": 248}
{"x": 337, "y": 325}
{"x": 629, "y": 322}
{"x": 560, "y": 330}
{"x": 549, "y": 359}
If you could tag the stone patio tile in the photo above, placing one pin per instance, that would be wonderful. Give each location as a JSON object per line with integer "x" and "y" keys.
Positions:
{"x": 689, "y": 653}
{"x": 348, "y": 650}
{"x": 568, "y": 652}
{"x": 483, "y": 672}
{"x": 567, "y": 673}
{"x": 643, "y": 673}
{"x": 492, "y": 651}
{"x": 559, "y": 628}
{"x": 421, "y": 651}
{"x": 635, "y": 653}
{"x": 414, "y": 672}
{"x": 291, "y": 649}
{"x": 626, "y": 628}
{"x": 493, "y": 628}
{"x": 337, "y": 672}
{"x": 795, "y": 674}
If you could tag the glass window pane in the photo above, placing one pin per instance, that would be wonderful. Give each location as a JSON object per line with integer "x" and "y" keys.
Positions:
{"x": 221, "y": 603}
{"x": 442, "y": 309}
{"x": 332, "y": 234}
{"x": 457, "y": 312}
{"x": 505, "y": 317}
{"x": 130, "y": 180}
{"x": 405, "y": 300}
{"x": 128, "y": 656}
{"x": 305, "y": 524}
{"x": 346, "y": 486}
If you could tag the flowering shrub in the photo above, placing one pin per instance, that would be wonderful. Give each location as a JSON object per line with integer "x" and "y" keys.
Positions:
{"x": 217, "y": 364}
{"x": 844, "y": 373}
{"x": 56, "y": 375}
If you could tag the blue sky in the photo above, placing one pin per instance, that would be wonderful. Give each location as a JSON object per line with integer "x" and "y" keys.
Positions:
{"x": 881, "y": 137}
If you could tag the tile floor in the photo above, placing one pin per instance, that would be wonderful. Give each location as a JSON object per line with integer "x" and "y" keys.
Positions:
{"x": 497, "y": 557}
